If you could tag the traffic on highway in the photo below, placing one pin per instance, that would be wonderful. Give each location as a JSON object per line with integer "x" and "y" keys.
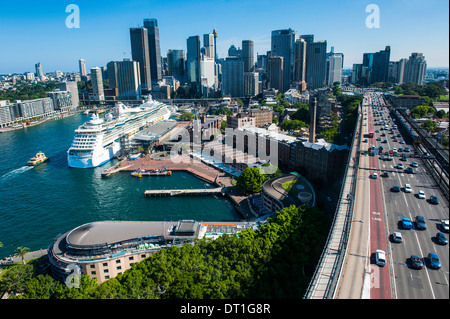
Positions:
{"x": 409, "y": 213}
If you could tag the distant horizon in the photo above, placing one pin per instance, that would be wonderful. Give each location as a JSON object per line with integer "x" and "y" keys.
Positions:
{"x": 103, "y": 34}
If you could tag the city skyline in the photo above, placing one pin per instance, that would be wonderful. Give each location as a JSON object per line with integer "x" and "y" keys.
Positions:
{"x": 104, "y": 36}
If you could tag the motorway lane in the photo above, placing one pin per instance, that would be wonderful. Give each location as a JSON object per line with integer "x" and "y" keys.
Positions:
{"x": 381, "y": 284}
{"x": 410, "y": 283}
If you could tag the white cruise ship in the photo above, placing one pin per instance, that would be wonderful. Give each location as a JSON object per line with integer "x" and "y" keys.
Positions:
{"x": 98, "y": 140}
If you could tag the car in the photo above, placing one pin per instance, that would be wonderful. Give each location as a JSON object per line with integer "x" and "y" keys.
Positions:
{"x": 410, "y": 170}
{"x": 408, "y": 188}
{"x": 384, "y": 141}
{"x": 414, "y": 164}
{"x": 402, "y": 142}
{"x": 421, "y": 194}
{"x": 441, "y": 239}
{"x": 444, "y": 225}
{"x": 385, "y": 174}
{"x": 374, "y": 175}
{"x": 380, "y": 257}
{"x": 407, "y": 149}
{"x": 397, "y": 237}
{"x": 394, "y": 150}
{"x": 434, "y": 199}
{"x": 400, "y": 149}
{"x": 366, "y": 140}
{"x": 406, "y": 223}
{"x": 420, "y": 223}
{"x": 416, "y": 262}
{"x": 395, "y": 189}
{"x": 383, "y": 134}
{"x": 395, "y": 140}
{"x": 400, "y": 165}
{"x": 398, "y": 135}
{"x": 403, "y": 158}
{"x": 434, "y": 261}
{"x": 379, "y": 139}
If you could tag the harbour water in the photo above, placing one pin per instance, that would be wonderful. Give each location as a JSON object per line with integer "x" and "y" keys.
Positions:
{"x": 36, "y": 204}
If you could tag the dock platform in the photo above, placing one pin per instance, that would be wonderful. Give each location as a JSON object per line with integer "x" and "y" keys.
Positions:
{"x": 183, "y": 192}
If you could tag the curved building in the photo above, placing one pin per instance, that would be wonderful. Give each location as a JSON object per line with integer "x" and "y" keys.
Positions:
{"x": 104, "y": 249}
{"x": 275, "y": 197}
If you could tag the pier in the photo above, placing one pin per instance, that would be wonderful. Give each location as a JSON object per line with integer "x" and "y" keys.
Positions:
{"x": 183, "y": 192}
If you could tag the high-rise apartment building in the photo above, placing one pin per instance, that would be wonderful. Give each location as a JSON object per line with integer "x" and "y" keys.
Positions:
{"x": 316, "y": 63}
{"x": 83, "y": 72}
{"x": 415, "y": 68}
{"x": 252, "y": 85}
{"x": 97, "y": 83}
{"x": 154, "y": 49}
{"x": 140, "y": 53}
{"x": 248, "y": 55}
{"x": 72, "y": 87}
{"x": 233, "y": 77}
{"x": 282, "y": 45}
{"x": 38, "y": 68}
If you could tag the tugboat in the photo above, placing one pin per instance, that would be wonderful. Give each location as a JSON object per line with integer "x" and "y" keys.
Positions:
{"x": 38, "y": 159}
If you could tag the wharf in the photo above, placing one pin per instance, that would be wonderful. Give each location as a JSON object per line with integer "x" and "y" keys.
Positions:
{"x": 114, "y": 169}
{"x": 183, "y": 192}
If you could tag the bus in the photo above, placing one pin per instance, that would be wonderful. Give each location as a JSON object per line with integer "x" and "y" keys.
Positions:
{"x": 371, "y": 133}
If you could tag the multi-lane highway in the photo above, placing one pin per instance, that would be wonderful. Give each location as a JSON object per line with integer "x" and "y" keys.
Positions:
{"x": 398, "y": 279}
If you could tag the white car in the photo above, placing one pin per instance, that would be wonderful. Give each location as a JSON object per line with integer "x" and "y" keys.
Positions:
{"x": 408, "y": 188}
{"x": 397, "y": 237}
{"x": 380, "y": 258}
{"x": 374, "y": 175}
{"x": 445, "y": 225}
{"x": 421, "y": 195}
{"x": 414, "y": 164}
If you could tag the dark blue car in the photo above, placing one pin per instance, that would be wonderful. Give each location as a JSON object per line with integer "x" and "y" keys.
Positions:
{"x": 416, "y": 262}
{"x": 435, "y": 263}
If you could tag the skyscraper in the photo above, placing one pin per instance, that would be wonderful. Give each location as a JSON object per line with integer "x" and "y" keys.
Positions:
{"x": 112, "y": 73}
{"x": 282, "y": 45}
{"x": 380, "y": 67}
{"x": 248, "y": 55}
{"x": 176, "y": 65}
{"x": 83, "y": 72}
{"x": 193, "y": 62}
{"x": 72, "y": 87}
{"x": 97, "y": 83}
{"x": 38, "y": 68}
{"x": 299, "y": 66}
{"x": 277, "y": 73}
{"x": 316, "y": 62}
{"x": 335, "y": 64}
{"x": 208, "y": 44}
{"x": 233, "y": 77}
{"x": 140, "y": 53}
{"x": 128, "y": 80}
{"x": 415, "y": 68}
{"x": 154, "y": 49}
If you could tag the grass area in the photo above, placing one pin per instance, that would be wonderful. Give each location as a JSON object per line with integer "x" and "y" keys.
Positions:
{"x": 287, "y": 186}
{"x": 443, "y": 98}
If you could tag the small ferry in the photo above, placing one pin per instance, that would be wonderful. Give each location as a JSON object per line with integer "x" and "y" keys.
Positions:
{"x": 152, "y": 172}
{"x": 38, "y": 159}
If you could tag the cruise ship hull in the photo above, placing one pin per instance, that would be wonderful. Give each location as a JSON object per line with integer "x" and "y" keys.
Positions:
{"x": 93, "y": 159}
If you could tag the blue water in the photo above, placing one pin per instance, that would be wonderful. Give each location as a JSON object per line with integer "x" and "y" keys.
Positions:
{"x": 37, "y": 204}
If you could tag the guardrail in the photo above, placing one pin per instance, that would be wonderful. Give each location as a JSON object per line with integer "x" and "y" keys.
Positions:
{"x": 325, "y": 279}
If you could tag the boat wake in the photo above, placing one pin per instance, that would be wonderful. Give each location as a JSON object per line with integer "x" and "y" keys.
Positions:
{"x": 15, "y": 172}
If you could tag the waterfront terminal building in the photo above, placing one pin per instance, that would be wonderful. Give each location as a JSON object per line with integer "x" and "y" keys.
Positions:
{"x": 104, "y": 249}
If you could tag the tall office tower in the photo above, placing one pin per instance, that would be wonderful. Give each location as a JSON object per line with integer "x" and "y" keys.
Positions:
{"x": 401, "y": 70}
{"x": 208, "y": 44}
{"x": 38, "y": 68}
{"x": 380, "y": 67}
{"x": 97, "y": 83}
{"x": 248, "y": 55}
{"x": 309, "y": 38}
{"x": 233, "y": 51}
{"x": 128, "y": 80}
{"x": 83, "y": 72}
{"x": 207, "y": 77}
{"x": 335, "y": 65}
{"x": 154, "y": 49}
{"x": 112, "y": 73}
{"x": 140, "y": 53}
{"x": 233, "y": 77}
{"x": 282, "y": 45}
{"x": 261, "y": 62}
{"x": 316, "y": 63}
{"x": 251, "y": 84}
{"x": 276, "y": 73}
{"x": 72, "y": 87}
{"x": 193, "y": 63}
{"x": 176, "y": 62}
{"x": 415, "y": 68}
{"x": 300, "y": 61}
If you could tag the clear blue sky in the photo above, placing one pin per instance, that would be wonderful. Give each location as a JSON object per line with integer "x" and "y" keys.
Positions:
{"x": 35, "y": 31}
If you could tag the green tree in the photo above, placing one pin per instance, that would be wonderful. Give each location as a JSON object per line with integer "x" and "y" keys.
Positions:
{"x": 250, "y": 180}
{"x": 429, "y": 125}
{"x": 21, "y": 252}
{"x": 186, "y": 116}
